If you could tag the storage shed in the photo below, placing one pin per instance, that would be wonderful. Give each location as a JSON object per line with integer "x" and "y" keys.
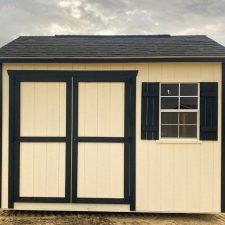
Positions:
{"x": 113, "y": 123}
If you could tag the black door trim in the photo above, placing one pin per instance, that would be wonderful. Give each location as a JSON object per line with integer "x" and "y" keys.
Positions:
{"x": 15, "y": 77}
{"x": 129, "y": 77}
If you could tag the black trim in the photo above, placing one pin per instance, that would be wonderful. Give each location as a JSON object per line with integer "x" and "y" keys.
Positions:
{"x": 41, "y": 139}
{"x": 111, "y": 60}
{"x": 101, "y": 139}
{"x": 103, "y": 200}
{"x": 223, "y": 142}
{"x": 41, "y": 199}
{"x": 14, "y": 137}
{"x": 129, "y": 77}
{"x": 11, "y": 142}
{"x": 1, "y": 74}
{"x": 82, "y": 76}
{"x": 133, "y": 145}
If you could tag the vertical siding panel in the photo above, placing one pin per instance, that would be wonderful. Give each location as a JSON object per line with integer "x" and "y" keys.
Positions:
{"x": 91, "y": 153}
{"x": 116, "y": 109}
{"x": 40, "y": 112}
{"x": 62, "y": 109}
{"x": 142, "y": 149}
{"x": 117, "y": 170}
{"x": 216, "y": 178}
{"x": 53, "y": 109}
{"x": 27, "y": 110}
{"x": 81, "y": 108}
{"x": 206, "y": 177}
{"x": 104, "y": 109}
{"x": 167, "y": 177}
{"x": 193, "y": 177}
{"x": 81, "y": 171}
{"x": 153, "y": 162}
{"x": 91, "y": 109}
{"x": 180, "y": 177}
{"x": 26, "y": 170}
{"x": 62, "y": 170}
{"x": 52, "y": 169}
{"x": 78, "y": 66}
{"x": 39, "y": 158}
{"x": 103, "y": 171}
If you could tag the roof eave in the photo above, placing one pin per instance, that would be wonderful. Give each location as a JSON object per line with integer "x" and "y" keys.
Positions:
{"x": 111, "y": 59}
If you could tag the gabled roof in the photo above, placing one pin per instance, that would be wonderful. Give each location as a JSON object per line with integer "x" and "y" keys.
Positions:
{"x": 106, "y": 46}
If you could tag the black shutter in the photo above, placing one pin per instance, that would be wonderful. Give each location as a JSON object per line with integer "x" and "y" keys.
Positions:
{"x": 208, "y": 111}
{"x": 150, "y": 111}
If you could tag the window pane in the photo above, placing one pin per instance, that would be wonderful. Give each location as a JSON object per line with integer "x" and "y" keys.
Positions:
{"x": 169, "y": 131}
{"x": 188, "y": 118}
{"x": 169, "y": 118}
{"x": 188, "y": 103}
{"x": 188, "y": 131}
{"x": 169, "y": 89}
{"x": 189, "y": 89}
{"x": 169, "y": 103}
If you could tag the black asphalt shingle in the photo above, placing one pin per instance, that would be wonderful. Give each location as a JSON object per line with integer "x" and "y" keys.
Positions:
{"x": 78, "y": 46}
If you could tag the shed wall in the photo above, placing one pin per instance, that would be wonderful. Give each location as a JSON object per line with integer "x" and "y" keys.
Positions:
{"x": 170, "y": 176}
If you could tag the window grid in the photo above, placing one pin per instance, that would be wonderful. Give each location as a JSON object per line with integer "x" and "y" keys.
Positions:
{"x": 179, "y": 111}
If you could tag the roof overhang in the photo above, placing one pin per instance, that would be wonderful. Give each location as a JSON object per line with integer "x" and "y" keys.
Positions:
{"x": 110, "y": 60}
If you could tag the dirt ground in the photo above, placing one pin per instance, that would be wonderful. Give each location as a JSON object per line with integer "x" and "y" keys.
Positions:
{"x": 52, "y": 218}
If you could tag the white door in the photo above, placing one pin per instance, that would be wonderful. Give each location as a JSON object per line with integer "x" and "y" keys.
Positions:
{"x": 101, "y": 125}
{"x": 42, "y": 139}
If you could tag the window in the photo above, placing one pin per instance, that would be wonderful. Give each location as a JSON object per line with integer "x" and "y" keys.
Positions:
{"x": 179, "y": 110}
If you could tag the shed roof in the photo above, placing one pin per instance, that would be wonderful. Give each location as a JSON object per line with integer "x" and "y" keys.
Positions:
{"x": 108, "y": 46}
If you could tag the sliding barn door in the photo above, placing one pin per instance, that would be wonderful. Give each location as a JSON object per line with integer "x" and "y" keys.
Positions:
{"x": 101, "y": 141}
{"x": 42, "y": 139}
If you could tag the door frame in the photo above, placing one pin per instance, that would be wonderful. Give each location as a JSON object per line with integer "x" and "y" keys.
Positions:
{"x": 129, "y": 78}
{"x": 16, "y": 76}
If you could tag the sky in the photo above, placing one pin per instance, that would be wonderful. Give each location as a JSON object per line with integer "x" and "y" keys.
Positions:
{"x": 50, "y": 17}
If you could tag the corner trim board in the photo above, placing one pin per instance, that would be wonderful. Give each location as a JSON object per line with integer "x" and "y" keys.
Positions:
{"x": 223, "y": 142}
{"x": 1, "y": 88}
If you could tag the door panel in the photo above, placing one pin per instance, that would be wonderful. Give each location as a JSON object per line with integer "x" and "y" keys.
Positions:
{"x": 42, "y": 169}
{"x": 101, "y": 139}
{"x": 42, "y": 138}
{"x": 101, "y": 109}
{"x": 101, "y": 170}
{"x": 43, "y": 109}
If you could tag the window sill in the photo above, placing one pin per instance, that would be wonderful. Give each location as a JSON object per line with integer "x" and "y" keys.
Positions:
{"x": 163, "y": 141}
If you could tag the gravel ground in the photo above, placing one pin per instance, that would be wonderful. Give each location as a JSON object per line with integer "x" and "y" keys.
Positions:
{"x": 52, "y": 218}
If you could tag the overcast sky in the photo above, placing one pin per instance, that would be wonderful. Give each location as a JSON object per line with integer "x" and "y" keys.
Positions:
{"x": 49, "y": 17}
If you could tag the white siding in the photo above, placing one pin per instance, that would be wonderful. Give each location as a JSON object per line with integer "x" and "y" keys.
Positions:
{"x": 176, "y": 176}
{"x": 42, "y": 170}
{"x": 101, "y": 109}
{"x": 172, "y": 177}
{"x": 43, "y": 109}
{"x": 100, "y": 170}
